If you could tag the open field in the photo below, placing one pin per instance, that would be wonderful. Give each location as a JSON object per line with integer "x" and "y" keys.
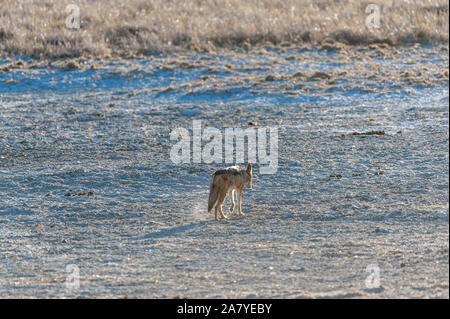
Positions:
{"x": 117, "y": 28}
{"x": 362, "y": 179}
{"x": 87, "y": 181}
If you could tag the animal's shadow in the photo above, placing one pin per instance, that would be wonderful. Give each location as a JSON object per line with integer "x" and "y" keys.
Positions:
{"x": 171, "y": 231}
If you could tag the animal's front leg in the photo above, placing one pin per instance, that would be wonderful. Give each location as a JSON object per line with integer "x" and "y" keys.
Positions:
{"x": 239, "y": 198}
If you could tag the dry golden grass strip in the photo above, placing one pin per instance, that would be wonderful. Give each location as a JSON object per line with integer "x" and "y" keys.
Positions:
{"x": 117, "y": 28}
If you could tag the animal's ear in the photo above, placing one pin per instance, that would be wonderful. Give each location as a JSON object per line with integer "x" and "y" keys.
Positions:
{"x": 249, "y": 168}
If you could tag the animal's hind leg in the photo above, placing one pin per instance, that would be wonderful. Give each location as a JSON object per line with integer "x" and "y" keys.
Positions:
{"x": 231, "y": 196}
{"x": 220, "y": 201}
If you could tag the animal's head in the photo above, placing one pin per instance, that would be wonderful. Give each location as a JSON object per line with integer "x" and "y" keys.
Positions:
{"x": 249, "y": 173}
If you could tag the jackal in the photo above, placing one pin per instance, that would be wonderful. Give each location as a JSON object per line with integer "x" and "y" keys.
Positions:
{"x": 225, "y": 181}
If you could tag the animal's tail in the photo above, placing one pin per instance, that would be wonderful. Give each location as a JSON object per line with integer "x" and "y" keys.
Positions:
{"x": 213, "y": 192}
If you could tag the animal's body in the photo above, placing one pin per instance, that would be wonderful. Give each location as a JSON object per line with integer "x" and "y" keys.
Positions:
{"x": 227, "y": 181}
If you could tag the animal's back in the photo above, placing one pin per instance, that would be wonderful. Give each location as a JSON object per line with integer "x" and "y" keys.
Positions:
{"x": 232, "y": 170}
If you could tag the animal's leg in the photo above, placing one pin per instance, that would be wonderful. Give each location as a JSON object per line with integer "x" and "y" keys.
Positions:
{"x": 239, "y": 198}
{"x": 231, "y": 196}
{"x": 220, "y": 201}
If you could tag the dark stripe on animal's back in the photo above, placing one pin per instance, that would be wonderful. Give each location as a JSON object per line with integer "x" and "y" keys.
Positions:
{"x": 227, "y": 171}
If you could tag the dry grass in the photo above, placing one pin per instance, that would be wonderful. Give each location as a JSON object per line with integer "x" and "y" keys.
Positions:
{"x": 117, "y": 28}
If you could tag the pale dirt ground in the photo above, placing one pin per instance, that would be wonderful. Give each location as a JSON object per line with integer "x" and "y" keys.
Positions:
{"x": 144, "y": 231}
